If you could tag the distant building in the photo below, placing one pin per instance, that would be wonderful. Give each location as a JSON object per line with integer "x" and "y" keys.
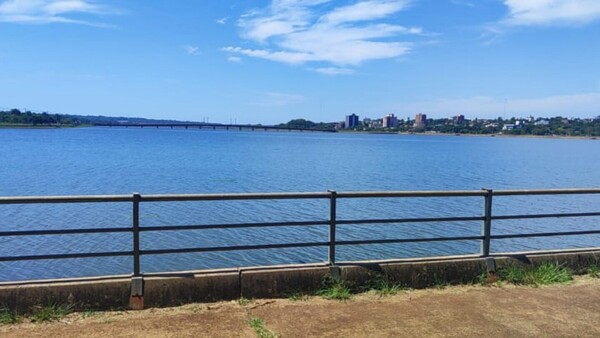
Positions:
{"x": 420, "y": 121}
{"x": 390, "y": 121}
{"x": 459, "y": 118}
{"x": 351, "y": 121}
{"x": 509, "y": 126}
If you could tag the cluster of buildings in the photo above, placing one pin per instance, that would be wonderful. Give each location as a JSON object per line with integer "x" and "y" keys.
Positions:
{"x": 420, "y": 122}
{"x": 388, "y": 121}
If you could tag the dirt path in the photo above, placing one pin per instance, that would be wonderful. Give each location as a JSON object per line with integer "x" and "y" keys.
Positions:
{"x": 467, "y": 311}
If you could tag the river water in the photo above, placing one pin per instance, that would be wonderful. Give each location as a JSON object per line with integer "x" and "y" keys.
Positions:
{"x": 82, "y": 161}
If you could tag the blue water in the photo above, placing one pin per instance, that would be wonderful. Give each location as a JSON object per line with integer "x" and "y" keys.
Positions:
{"x": 152, "y": 161}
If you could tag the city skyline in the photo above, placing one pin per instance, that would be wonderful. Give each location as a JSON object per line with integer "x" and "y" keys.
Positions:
{"x": 272, "y": 61}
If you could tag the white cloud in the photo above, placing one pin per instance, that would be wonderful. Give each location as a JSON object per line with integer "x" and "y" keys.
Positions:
{"x": 234, "y": 59}
{"x": 50, "y": 11}
{"x": 280, "y": 56}
{"x": 191, "y": 50}
{"x": 303, "y": 31}
{"x": 334, "y": 71}
{"x": 582, "y": 105}
{"x": 551, "y": 12}
{"x": 222, "y": 21}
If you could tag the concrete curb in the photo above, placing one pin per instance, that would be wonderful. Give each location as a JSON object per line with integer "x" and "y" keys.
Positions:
{"x": 263, "y": 282}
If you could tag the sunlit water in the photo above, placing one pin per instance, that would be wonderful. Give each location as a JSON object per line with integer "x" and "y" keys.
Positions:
{"x": 153, "y": 161}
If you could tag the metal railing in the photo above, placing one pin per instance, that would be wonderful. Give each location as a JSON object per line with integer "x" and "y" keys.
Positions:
{"x": 135, "y": 199}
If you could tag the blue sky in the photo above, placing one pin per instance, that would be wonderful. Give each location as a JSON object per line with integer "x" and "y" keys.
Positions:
{"x": 271, "y": 61}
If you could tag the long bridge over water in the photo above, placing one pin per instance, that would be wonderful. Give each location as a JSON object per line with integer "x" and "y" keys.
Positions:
{"x": 212, "y": 126}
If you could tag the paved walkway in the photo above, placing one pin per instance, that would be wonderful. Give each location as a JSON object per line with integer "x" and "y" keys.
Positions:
{"x": 468, "y": 311}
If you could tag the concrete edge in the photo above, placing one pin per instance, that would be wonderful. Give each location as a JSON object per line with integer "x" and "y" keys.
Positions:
{"x": 159, "y": 290}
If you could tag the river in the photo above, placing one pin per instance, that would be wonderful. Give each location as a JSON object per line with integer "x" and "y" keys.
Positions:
{"x": 80, "y": 161}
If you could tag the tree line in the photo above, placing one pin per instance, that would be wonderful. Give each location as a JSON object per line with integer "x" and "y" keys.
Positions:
{"x": 17, "y": 117}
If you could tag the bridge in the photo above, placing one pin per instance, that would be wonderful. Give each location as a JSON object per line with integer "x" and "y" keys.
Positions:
{"x": 212, "y": 126}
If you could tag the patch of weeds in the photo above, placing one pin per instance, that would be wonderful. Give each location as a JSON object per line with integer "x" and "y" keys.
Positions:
{"x": 50, "y": 313}
{"x": 89, "y": 314}
{"x": 334, "y": 288}
{"x": 439, "y": 282}
{"x": 244, "y": 301}
{"x": 482, "y": 279}
{"x": 298, "y": 296}
{"x": 258, "y": 325}
{"x": 593, "y": 270}
{"x": 383, "y": 285}
{"x": 544, "y": 274}
{"x": 196, "y": 308}
{"x": 8, "y": 317}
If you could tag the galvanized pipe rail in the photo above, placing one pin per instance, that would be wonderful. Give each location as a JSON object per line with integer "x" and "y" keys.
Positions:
{"x": 332, "y": 196}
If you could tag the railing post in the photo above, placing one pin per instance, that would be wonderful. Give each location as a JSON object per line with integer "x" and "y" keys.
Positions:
{"x": 136, "y": 234}
{"x": 332, "y": 222}
{"x": 486, "y": 229}
{"x": 136, "y": 298}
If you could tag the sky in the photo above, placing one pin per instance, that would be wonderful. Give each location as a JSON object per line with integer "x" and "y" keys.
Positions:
{"x": 259, "y": 61}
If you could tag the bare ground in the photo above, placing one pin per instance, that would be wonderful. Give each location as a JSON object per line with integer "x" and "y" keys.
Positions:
{"x": 466, "y": 311}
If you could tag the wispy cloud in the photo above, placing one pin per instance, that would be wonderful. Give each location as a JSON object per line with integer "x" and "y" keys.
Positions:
{"x": 222, "y": 21}
{"x": 334, "y": 71}
{"x": 191, "y": 50}
{"x": 51, "y": 11}
{"x": 303, "y": 31}
{"x": 234, "y": 59}
{"x": 551, "y": 12}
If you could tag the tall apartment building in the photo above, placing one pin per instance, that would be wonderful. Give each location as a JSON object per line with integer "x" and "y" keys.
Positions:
{"x": 390, "y": 121}
{"x": 420, "y": 121}
{"x": 351, "y": 121}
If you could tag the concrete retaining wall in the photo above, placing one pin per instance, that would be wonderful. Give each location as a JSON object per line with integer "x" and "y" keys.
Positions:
{"x": 180, "y": 288}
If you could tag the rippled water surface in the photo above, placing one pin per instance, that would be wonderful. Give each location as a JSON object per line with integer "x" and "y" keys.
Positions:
{"x": 152, "y": 161}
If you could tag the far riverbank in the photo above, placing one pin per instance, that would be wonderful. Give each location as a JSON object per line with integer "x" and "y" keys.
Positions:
{"x": 472, "y": 135}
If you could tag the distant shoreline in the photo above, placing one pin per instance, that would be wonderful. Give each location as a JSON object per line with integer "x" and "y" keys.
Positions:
{"x": 506, "y": 136}
{"x": 26, "y": 126}
{"x": 474, "y": 135}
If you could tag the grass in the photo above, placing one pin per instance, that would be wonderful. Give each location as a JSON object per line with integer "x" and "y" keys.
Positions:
{"x": 334, "y": 288}
{"x": 245, "y": 301}
{"x": 50, "y": 313}
{"x": 482, "y": 279}
{"x": 383, "y": 285}
{"x": 544, "y": 274}
{"x": 439, "y": 283}
{"x": 298, "y": 296}
{"x": 593, "y": 270}
{"x": 258, "y": 325}
{"x": 8, "y": 317}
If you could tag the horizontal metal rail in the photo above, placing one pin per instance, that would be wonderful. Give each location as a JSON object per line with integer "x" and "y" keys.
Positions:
{"x": 409, "y": 220}
{"x": 531, "y": 216}
{"x": 410, "y": 240}
{"x": 64, "y": 199}
{"x": 331, "y": 196}
{"x": 63, "y": 232}
{"x": 231, "y": 197}
{"x": 548, "y": 234}
{"x": 67, "y": 256}
{"x": 547, "y": 192}
{"x": 233, "y": 248}
{"x": 232, "y": 226}
{"x": 386, "y": 194}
